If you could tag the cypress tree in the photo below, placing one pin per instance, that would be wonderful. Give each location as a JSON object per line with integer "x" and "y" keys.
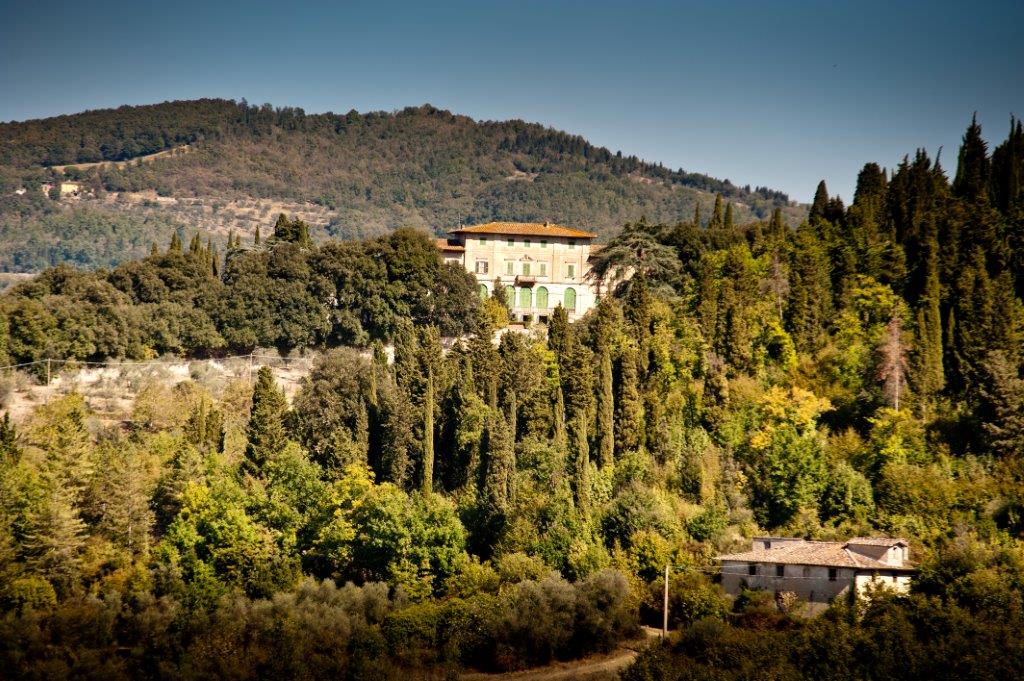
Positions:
{"x": 728, "y": 216}
{"x": 558, "y": 331}
{"x": 696, "y": 214}
{"x": 256, "y": 239}
{"x": 9, "y": 450}
{"x": 428, "y": 433}
{"x": 605, "y": 410}
{"x": 266, "y": 433}
{"x": 931, "y": 378}
{"x": 717, "y": 217}
{"x": 972, "y": 173}
{"x": 153, "y": 250}
{"x": 629, "y": 408}
{"x": 499, "y": 463}
{"x": 175, "y": 246}
{"x": 819, "y": 207}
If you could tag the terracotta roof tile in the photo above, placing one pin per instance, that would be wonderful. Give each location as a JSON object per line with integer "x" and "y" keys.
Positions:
{"x": 878, "y": 541}
{"x": 446, "y": 245}
{"x": 829, "y": 554}
{"x": 525, "y": 229}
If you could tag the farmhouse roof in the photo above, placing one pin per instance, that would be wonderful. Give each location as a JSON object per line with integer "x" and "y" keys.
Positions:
{"x": 446, "y": 245}
{"x": 525, "y": 229}
{"x": 821, "y": 553}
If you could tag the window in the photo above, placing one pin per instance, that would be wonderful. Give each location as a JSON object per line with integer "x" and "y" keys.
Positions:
{"x": 483, "y": 240}
{"x": 780, "y": 570}
{"x": 570, "y": 271}
{"x": 481, "y": 267}
{"x": 572, "y": 243}
{"x": 542, "y": 298}
{"x": 510, "y": 296}
{"x": 509, "y": 267}
{"x": 767, "y": 544}
{"x": 543, "y": 269}
{"x": 752, "y": 569}
{"x": 511, "y": 241}
{"x": 526, "y": 243}
{"x": 806, "y": 571}
{"x": 543, "y": 243}
{"x": 483, "y": 291}
{"x": 832, "y": 574}
{"x": 526, "y": 269}
{"x": 525, "y": 298}
{"x": 570, "y": 299}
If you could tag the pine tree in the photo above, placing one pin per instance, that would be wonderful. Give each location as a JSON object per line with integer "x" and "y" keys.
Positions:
{"x": 1002, "y": 405}
{"x": 266, "y": 433}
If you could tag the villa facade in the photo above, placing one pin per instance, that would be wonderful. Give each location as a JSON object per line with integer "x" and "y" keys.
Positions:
{"x": 538, "y": 266}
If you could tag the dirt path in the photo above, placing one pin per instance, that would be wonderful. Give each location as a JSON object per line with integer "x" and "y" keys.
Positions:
{"x": 604, "y": 667}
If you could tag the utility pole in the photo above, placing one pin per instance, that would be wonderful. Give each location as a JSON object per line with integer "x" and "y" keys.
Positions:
{"x": 664, "y": 622}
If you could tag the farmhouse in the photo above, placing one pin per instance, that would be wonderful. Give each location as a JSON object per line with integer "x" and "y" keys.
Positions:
{"x": 537, "y": 265}
{"x": 818, "y": 571}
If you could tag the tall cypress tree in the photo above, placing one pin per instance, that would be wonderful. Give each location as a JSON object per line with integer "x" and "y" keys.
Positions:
{"x": 819, "y": 207}
{"x": 629, "y": 408}
{"x": 605, "y": 409}
{"x": 972, "y": 173}
{"x": 717, "y": 217}
{"x": 931, "y": 376}
{"x": 266, "y": 433}
{"x": 728, "y": 216}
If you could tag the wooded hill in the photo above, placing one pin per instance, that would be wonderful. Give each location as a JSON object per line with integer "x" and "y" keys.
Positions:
{"x": 350, "y": 175}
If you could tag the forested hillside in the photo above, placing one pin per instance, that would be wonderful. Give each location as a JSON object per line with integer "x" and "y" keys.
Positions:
{"x": 351, "y": 175}
{"x": 501, "y": 505}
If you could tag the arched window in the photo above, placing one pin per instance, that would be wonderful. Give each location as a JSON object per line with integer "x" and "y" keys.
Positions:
{"x": 525, "y": 298}
{"x": 510, "y": 296}
{"x": 570, "y": 299}
{"x": 483, "y": 292}
{"x": 542, "y": 298}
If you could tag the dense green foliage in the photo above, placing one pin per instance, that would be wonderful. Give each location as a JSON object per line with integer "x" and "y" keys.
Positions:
{"x": 860, "y": 374}
{"x": 285, "y": 294}
{"x": 373, "y": 173}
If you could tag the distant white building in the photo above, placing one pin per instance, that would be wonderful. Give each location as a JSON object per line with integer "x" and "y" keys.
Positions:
{"x": 537, "y": 265}
{"x": 818, "y": 571}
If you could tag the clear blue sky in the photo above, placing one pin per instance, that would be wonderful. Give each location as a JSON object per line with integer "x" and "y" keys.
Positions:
{"x": 775, "y": 93}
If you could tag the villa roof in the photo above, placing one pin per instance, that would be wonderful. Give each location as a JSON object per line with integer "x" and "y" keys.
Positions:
{"x": 821, "y": 553}
{"x": 525, "y": 229}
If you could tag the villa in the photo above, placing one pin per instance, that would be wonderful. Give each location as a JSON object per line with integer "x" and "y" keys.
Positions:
{"x": 538, "y": 265}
